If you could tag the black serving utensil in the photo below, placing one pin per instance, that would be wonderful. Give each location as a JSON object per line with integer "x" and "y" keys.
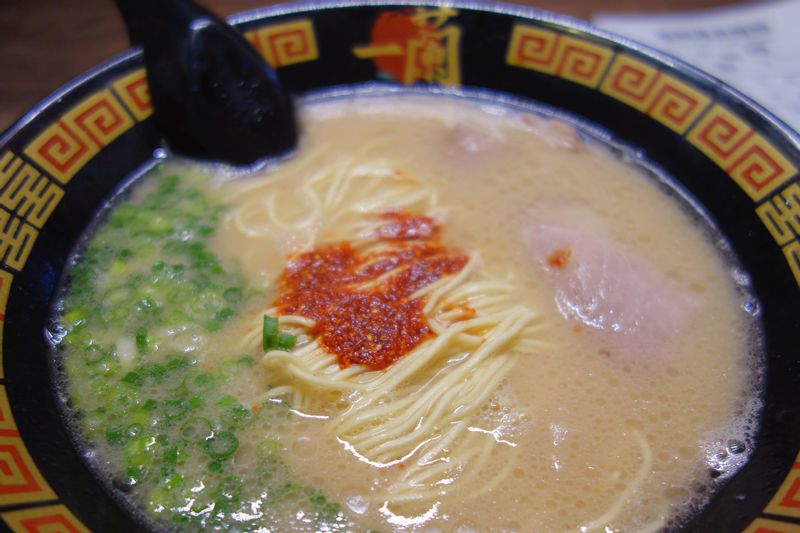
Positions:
{"x": 214, "y": 97}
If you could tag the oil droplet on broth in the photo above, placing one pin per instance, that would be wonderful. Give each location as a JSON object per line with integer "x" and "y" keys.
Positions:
{"x": 355, "y": 500}
{"x": 304, "y": 447}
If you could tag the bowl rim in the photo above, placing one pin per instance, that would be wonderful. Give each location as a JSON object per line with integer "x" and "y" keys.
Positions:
{"x": 489, "y": 6}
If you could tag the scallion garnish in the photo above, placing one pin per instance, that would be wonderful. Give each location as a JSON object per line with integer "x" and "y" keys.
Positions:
{"x": 272, "y": 339}
{"x": 269, "y": 337}
{"x": 286, "y": 342}
{"x": 221, "y": 445}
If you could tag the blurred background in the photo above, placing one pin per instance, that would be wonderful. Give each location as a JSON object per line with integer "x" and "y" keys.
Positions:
{"x": 45, "y": 43}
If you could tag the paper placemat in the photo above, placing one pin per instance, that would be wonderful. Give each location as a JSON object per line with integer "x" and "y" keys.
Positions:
{"x": 753, "y": 47}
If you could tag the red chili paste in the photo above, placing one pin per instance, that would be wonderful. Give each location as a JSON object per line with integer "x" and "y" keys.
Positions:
{"x": 377, "y": 325}
{"x": 559, "y": 258}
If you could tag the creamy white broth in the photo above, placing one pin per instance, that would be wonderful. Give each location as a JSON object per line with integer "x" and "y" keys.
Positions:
{"x": 588, "y": 432}
{"x": 578, "y": 404}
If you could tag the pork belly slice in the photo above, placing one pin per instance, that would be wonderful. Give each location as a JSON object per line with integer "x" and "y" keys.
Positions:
{"x": 602, "y": 285}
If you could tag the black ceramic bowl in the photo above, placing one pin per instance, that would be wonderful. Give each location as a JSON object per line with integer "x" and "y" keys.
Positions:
{"x": 60, "y": 163}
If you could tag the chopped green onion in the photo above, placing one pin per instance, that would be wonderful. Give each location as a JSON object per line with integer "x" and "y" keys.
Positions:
{"x": 149, "y": 405}
{"x": 93, "y": 354}
{"x": 154, "y": 370}
{"x": 173, "y": 482}
{"x": 213, "y": 325}
{"x": 236, "y": 416}
{"x": 268, "y": 450}
{"x": 196, "y": 402}
{"x": 115, "y": 435}
{"x": 137, "y": 450}
{"x": 201, "y": 382}
{"x": 177, "y": 363}
{"x": 76, "y": 316}
{"x": 269, "y": 337}
{"x": 286, "y": 491}
{"x": 117, "y": 268}
{"x": 273, "y": 339}
{"x": 286, "y": 342}
{"x": 227, "y": 401}
{"x": 196, "y": 429}
{"x": 224, "y": 314}
{"x": 179, "y": 294}
{"x": 175, "y": 407}
{"x": 115, "y": 315}
{"x": 134, "y": 430}
{"x": 146, "y": 304}
{"x": 228, "y": 494}
{"x": 134, "y": 378}
{"x": 142, "y": 341}
{"x": 170, "y": 456}
{"x": 135, "y": 473}
{"x": 233, "y": 295}
{"x": 221, "y": 446}
{"x": 326, "y": 511}
{"x": 145, "y": 274}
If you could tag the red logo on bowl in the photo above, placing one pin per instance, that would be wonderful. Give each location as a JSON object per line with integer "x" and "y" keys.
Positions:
{"x": 415, "y": 45}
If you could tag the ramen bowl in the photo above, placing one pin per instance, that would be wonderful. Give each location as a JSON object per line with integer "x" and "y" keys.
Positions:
{"x": 62, "y": 161}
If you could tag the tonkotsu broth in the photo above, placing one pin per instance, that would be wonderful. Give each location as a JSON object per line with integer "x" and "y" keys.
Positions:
{"x": 589, "y": 431}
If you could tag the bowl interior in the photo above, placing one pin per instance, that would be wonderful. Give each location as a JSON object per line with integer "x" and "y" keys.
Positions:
{"x": 63, "y": 161}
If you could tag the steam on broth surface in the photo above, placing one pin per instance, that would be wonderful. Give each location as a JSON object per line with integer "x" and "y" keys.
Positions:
{"x": 475, "y": 321}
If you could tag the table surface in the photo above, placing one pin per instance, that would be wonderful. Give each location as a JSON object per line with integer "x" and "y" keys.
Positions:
{"x": 46, "y": 43}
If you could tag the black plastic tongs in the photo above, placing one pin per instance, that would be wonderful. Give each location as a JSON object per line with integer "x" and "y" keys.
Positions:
{"x": 214, "y": 97}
